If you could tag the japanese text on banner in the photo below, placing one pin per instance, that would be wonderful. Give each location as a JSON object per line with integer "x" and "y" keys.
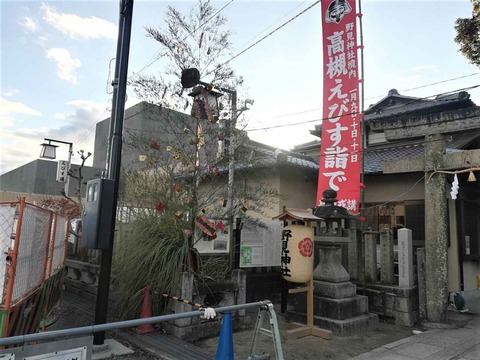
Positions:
{"x": 340, "y": 159}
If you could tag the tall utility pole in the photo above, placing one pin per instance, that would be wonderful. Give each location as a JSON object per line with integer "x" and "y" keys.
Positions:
{"x": 231, "y": 171}
{"x": 114, "y": 157}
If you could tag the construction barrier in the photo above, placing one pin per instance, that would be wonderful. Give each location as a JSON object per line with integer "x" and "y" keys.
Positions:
{"x": 33, "y": 240}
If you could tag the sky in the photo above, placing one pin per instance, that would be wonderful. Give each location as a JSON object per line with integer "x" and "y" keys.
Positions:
{"x": 56, "y": 64}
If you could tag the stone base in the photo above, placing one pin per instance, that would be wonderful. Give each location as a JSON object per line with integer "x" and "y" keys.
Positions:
{"x": 339, "y": 309}
{"x": 334, "y": 290}
{"x": 204, "y": 329}
{"x": 340, "y": 328}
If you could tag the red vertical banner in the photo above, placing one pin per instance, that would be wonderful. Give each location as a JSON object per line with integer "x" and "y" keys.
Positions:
{"x": 341, "y": 146}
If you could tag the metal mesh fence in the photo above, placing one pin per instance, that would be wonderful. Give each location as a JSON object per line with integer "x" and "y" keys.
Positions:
{"x": 8, "y": 218}
{"x": 32, "y": 251}
{"x": 58, "y": 243}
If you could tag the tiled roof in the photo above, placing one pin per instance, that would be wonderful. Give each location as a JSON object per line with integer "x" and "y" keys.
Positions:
{"x": 377, "y": 155}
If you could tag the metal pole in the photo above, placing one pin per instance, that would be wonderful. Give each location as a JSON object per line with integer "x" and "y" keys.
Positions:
{"x": 231, "y": 173}
{"x": 114, "y": 164}
{"x": 265, "y": 305}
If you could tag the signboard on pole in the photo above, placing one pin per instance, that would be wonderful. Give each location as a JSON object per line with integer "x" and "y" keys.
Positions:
{"x": 62, "y": 171}
{"x": 340, "y": 156}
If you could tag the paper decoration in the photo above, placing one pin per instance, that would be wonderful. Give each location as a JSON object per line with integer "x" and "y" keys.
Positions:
{"x": 177, "y": 155}
{"x": 454, "y": 191}
{"x": 205, "y": 225}
{"x": 297, "y": 253}
{"x": 154, "y": 145}
{"x": 160, "y": 207}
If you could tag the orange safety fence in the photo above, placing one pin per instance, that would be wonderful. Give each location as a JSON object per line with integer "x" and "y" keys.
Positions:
{"x": 33, "y": 244}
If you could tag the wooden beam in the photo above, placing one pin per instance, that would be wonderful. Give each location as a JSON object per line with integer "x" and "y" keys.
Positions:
{"x": 298, "y": 290}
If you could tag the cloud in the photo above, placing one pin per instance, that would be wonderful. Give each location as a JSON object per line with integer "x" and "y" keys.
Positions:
{"x": 77, "y": 27}
{"x": 29, "y": 23}
{"x": 9, "y": 108}
{"x": 21, "y": 145}
{"x": 11, "y": 93}
{"x": 66, "y": 65}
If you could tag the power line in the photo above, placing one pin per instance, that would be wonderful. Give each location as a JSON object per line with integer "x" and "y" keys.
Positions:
{"x": 347, "y": 114}
{"x": 269, "y": 34}
{"x": 379, "y": 96}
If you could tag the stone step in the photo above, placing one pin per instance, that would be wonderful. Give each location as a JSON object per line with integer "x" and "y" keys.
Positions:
{"x": 340, "y": 328}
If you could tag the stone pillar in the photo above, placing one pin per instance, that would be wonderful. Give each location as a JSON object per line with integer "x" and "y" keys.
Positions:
{"x": 240, "y": 278}
{"x": 386, "y": 256}
{"x": 422, "y": 311}
{"x": 370, "y": 257}
{"x": 354, "y": 252}
{"x": 405, "y": 258}
{"x": 435, "y": 230}
{"x": 186, "y": 292}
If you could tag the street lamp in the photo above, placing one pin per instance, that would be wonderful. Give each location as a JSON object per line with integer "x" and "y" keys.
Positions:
{"x": 63, "y": 169}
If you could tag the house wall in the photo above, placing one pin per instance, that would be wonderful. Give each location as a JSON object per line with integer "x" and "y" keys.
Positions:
{"x": 299, "y": 188}
{"x": 401, "y": 187}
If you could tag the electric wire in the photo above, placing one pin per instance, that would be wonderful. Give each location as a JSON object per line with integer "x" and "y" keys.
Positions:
{"x": 269, "y": 34}
{"x": 380, "y": 96}
{"x": 348, "y": 114}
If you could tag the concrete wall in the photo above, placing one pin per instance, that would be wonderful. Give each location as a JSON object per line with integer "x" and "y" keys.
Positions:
{"x": 38, "y": 177}
{"x": 150, "y": 122}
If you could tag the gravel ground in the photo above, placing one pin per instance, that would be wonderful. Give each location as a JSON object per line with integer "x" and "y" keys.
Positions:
{"x": 67, "y": 316}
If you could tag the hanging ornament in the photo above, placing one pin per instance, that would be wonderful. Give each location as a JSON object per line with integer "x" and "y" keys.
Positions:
{"x": 471, "y": 177}
{"x": 201, "y": 141}
{"x": 186, "y": 105}
{"x": 216, "y": 171}
{"x": 205, "y": 210}
{"x": 160, "y": 207}
{"x": 209, "y": 50}
{"x": 220, "y": 226}
{"x": 164, "y": 93}
{"x": 222, "y": 202}
{"x": 201, "y": 40}
{"x": 142, "y": 157}
{"x": 169, "y": 148}
{"x": 245, "y": 207}
{"x": 177, "y": 155}
{"x": 179, "y": 47}
{"x": 178, "y": 214}
{"x": 454, "y": 191}
{"x": 205, "y": 225}
{"x": 176, "y": 188}
{"x": 154, "y": 144}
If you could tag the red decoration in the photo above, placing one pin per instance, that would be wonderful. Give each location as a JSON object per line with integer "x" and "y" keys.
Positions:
{"x": 361, "y": 218}
{"x": 216, "y": 172}
{"x": 213, "y": 237}
{"x": 154, "y": 145}
{"x": 220, "y": 226}
{"x": 306, "y": 247}
{"x": 160, "y": 207}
